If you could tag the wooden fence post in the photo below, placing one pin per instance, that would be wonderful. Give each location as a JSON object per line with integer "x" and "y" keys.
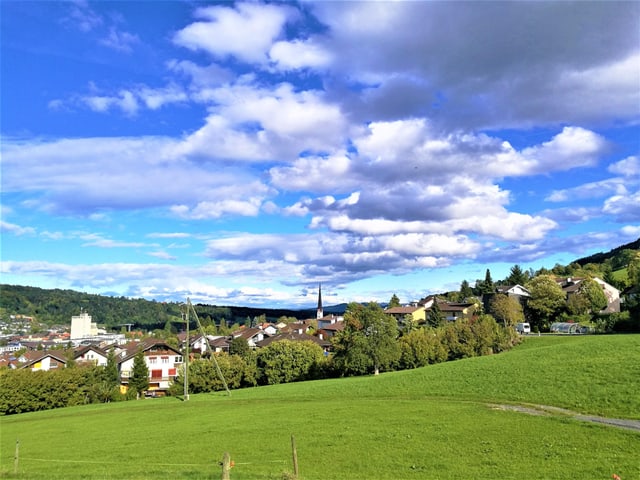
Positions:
{"x": 294, "y": 452}
{"x": 226, "y": 466}
{"x": 16, "y": 458}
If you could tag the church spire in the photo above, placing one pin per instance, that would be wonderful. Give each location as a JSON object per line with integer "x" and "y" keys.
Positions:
{"x": 319, "y": 313}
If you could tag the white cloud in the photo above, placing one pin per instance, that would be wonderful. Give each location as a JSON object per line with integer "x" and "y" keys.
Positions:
{"x": 12, "y": 228}
{"x": 624, "y": 207}
{"x": 298, "y": 54}
{"x": 162, "y": 254}
{"x": 81, "y": 176}
{"x": 627, "y": 167}
{"x": 246, "y": 32}
{"x": 590, "y": 190}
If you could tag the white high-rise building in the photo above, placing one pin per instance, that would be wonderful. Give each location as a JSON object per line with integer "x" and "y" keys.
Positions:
{"x": 82, "y": 326}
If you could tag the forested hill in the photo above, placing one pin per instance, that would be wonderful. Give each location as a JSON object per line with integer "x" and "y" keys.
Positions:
{"x": 58, "y": 306}
{"x": 602, "y": 257}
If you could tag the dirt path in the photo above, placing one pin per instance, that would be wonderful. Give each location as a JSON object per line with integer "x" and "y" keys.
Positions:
{"x": 549, "y": 410}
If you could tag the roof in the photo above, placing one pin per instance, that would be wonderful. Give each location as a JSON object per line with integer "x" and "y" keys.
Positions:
{"x": 35, "y": 357}
{"x": 247, "y": 333}
{"x": 336, "y": 327}
{"x": 401, "y": 310}
{"x": 82, "y": 350}
{"x": 131, "y": 349}
{"x": 294, "y": 337}
{"x": 454, "y": 307}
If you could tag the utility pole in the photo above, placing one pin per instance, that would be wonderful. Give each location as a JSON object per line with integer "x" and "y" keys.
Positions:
{"x": 185, "y": 395}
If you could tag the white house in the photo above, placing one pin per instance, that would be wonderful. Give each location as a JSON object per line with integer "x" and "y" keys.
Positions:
{"x": 162, "y": 360}
{"x": 91, "y": 354}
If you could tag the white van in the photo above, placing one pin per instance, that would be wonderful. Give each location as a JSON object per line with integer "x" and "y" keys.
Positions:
{"x": 523, "y": 328}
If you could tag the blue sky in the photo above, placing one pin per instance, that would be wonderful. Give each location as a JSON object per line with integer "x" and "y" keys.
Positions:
{"x": 242, "y": 153}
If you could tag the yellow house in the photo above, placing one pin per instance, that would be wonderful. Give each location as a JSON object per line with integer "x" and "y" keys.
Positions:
{"x": 418, "y": 313}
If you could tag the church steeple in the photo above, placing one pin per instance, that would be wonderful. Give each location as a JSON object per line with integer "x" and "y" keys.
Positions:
{"x": 319, "y": 313}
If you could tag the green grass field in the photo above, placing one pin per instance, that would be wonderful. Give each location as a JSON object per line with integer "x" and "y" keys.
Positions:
{"x": 437, "y": 422}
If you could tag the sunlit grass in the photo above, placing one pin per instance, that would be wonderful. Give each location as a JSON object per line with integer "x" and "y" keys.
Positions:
{"x": 432, "y": 423}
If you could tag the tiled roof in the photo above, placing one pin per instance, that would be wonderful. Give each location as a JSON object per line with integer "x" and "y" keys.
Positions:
{"x": 294, "y": 337}
{"x": 401, "y": 310}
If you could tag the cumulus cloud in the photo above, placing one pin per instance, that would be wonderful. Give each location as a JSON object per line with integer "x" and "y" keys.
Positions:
{"x": 482, "y": 78}
{"x": 223, "y": 31}
{"x": 298, "y": 54}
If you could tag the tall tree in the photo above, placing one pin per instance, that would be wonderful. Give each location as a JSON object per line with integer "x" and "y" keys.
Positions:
{"x": 139, "y": 379}
{"x": 435, "y": 318}
{"x": 633, "y": 269}
{"x": 485, "y": 286}
{"x": 547, "y": 299}
{"x": 111, "y": 374}
{"x": 394, "y": 302}
{"x": 465, "y": 291}
{"x": 368, "y": 341}
{"x": 517, "y": 276}
{"x": 507, "y": 310}
{"x": 594, "y": 294}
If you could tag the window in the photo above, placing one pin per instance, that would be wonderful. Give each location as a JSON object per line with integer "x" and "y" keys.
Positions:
{"x": 165, "y": 359}
{"x": 153, "y": 360}
{"x": 178, "y": 359}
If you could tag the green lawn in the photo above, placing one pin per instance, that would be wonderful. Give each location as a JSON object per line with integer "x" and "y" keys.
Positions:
{"x": 431, "y": 423}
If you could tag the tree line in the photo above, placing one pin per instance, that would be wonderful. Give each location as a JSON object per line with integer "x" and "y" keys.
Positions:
{"x": 371, "y": 342}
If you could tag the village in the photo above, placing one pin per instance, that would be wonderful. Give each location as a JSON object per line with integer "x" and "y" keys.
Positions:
{"x": 90, "y": 344}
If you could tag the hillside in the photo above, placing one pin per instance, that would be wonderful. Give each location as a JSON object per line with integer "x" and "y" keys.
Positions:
{"x": 601, "y": 257}
{"x": 412, "y": 424}
{"x": 58, "y": 306}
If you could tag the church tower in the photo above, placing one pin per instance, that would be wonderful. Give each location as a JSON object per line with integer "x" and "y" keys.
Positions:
{"x": 319, "y": 313}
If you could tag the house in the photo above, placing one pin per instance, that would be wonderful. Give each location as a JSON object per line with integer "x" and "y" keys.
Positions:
{"x": 161, "y": 359}
{"x": 90, "y": 354}
{"x": 571, "y": 285}
{"x": 268, "y": 328}
{"x": 303, "y": 326}
{"x": 329, "y": 331}
{"x": 253, "y": 336}
{"x": 453, "y": 311}
{"x": 517, "y": 291}
{"x": 329, "y": 320}
{"x": 427, "y": 302}
{"x": 43, "y": 361}
{"x": 418, "y": 313}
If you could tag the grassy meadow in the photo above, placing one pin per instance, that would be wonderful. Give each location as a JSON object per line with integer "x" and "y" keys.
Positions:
{"x": 437, "y": 422}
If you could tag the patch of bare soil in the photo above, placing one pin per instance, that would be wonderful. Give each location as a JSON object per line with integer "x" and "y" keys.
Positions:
{"x": 549, "y": 410}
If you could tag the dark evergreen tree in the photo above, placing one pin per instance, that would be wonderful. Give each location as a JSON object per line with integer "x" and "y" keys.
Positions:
{"x": 111, "y": 374}
{"x": 517, "y": 276}
{"x": 394, "y": 302}
{"x": 435, "y": 318}
{"x": 465, "y": 291}
{"x": 139, "y": 379}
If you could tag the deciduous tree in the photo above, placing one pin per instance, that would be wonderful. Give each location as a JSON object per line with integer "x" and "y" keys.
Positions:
{"x": 507, "y": 310}
{"x": 547, "y": 300}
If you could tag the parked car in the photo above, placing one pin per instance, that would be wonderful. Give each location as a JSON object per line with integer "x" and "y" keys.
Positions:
{"x": 523, "y": 328}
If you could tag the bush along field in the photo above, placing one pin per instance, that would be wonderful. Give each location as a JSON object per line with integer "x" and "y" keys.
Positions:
{"x": 479, "y": 418}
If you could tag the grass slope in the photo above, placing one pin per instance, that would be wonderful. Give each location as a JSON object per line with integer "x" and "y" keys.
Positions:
{"x": 431, "y": 423}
